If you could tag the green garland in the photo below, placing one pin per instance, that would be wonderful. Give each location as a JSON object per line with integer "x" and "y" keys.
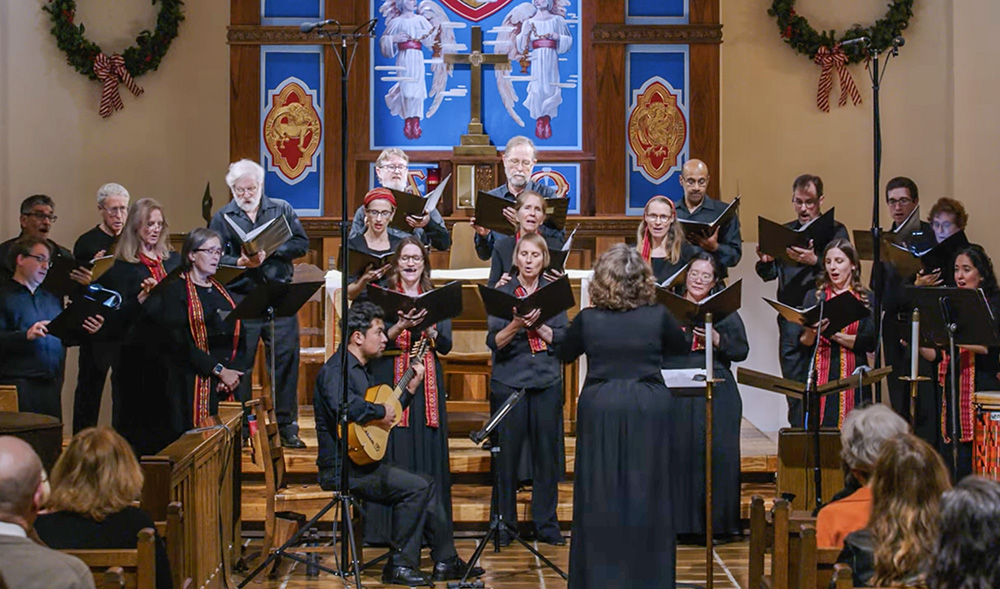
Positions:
{"x": 797, "y": 32}
{"x": 145, "y": 55}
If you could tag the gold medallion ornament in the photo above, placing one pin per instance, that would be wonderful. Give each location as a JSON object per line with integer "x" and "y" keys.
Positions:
{"x": 292, "y": 129}
{"x": 657, "y": 130}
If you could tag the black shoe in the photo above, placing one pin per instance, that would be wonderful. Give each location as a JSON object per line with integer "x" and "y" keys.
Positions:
{"x": 292, "y": 441}
{"x": 400, "y": 575}
{"x": 454, "y": 569}
{"x": 556, "y": 539}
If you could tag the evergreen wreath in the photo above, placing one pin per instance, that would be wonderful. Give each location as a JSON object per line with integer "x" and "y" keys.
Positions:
{"x": 145, "y": 55}
{"x": 797, "y": 32}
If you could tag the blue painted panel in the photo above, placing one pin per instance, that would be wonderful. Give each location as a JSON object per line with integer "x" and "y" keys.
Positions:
{"x": 644, "y": 65}
{"x": 291, "y": 9}
{"x": 652, "y": 11}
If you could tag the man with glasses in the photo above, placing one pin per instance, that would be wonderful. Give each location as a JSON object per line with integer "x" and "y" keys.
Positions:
{"x": 251, "y": 209}
{"x": 37, "y": 217}
{"x": 726, "y": 244}
{"x": 519, "y": 158}
{"x": 30, "y": 358}
{"x": 902, "y": 197}
{"x": 795, "y": 279}
{"x": 97, "y": 354}
{"x": 391, "y": 169}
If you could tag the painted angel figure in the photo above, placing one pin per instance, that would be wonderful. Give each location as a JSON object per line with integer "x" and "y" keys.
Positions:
{"x": 405, "y": 31}
{"x": 535, "y": 32}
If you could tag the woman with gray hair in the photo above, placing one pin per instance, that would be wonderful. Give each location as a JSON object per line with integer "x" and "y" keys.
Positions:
{"x": 865, "y": 431}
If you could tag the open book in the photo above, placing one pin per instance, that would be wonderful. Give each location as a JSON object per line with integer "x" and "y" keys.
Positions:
{"x": 267, "y": 238}
{"x": 557, "y": 258}
{"x": 440, "y": 303}
{"x": 841, "y": 311}
{"x": 720, "y": 304}
{"x": 694, "y": 230}
{"x": 552, "y": 299}
{"x": 775, "y": 238}
{"x": 489, "y": 212}
{"x": 415, "y": 205}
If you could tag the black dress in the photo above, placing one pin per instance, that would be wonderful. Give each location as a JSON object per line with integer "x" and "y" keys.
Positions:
{"x": 141, "y": 372}
{"x": 687, "y": 430}
{"x": 417, "y": 447}
{"x": 834, "y": 362}
{"x": 663, "y": 268}
{"x": 622, "y": 493}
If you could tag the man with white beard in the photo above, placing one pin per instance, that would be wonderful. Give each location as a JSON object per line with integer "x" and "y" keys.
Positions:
{"x": 250, "y": 209}
{"x": 391, "y": 169}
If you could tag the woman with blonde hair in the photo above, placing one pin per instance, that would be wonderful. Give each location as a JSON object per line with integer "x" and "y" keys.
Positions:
{"x": 95, "y": 483}
{"x": 530, "y": 212}
{"x": 897, "y": 546}
{"x": 623, "y": 533}
{"x": 660, "y": 238}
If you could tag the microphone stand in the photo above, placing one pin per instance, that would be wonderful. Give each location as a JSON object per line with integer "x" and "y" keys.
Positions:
{"x": 343, "y": 40}
{"x": 813, "y": 419}
{"x": 953, "y": 382}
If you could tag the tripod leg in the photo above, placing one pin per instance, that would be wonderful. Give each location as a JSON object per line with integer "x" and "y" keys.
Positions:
{"x": 345, "y": 512}
{"x": 534, "y": 551}
{"x": 493, "y": 532}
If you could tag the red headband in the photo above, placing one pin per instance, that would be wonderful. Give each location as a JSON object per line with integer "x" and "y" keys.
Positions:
{"x": 673, "y": 207}
{"x": 377, "y": 193}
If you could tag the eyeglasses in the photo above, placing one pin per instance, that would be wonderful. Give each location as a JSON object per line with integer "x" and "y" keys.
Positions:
{"x": 516, "y": 163}
{"x": 43, "y": 260}
{"x": 659, "y": 218}
{"x": 701, "y": 276}
{"x": 212, "y": 251}
{"x": 116, "y": 211}
{"x": 379, "y": 214}
{"x": 699, "y": 182}
{"x": 393, "y": 167}
{"x": 899, "y": 202}
{"x": 156, "y": 224}
{"x": 805, "y": 204}
{"x": 245, "y": 189}
{"x": 411, "y": 258}
{"x": 42, "y": 216}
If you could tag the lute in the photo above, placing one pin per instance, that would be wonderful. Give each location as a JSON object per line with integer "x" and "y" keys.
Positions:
{"x": 366, "y": 443}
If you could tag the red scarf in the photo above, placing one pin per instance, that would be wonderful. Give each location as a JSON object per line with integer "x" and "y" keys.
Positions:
{"x": 404, "y": 341}
{"x": 647, "y": 246}
{"x": 155, "y": 267}
{"x": 196, "y": 319}
{"x": 966, "y": 387}
{"x": 534, "y": 340}
{"x": 846, "y": 362}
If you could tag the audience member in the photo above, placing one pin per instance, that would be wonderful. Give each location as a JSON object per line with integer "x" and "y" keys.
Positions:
{"x": 94, "y": 485}
{"x": 967, "y": 555}
{"x": 23, "y": 490}
{"x": 896, "y": 546}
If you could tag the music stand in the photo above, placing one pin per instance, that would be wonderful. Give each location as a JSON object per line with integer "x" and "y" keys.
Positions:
{"x": 951, "y": 317}
{"x": 497, "y": 523}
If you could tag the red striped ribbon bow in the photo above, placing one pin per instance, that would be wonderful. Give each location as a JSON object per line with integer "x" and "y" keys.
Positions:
{"x": 110, "y": 71}
{"x": 829, "y": 59}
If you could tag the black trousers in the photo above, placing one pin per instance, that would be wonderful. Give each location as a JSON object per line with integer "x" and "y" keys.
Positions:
{"x": 416, "y": 511}
{"x": 96, "y": 359}
{"x": 538, "y": 416}
{"x": 286, "y": 364}
{"x": 794, "y": 359}
{"x": 38, "y": 395}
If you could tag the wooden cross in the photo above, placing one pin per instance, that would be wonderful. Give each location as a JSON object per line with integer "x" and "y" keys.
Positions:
{"x": 476, "y": 142}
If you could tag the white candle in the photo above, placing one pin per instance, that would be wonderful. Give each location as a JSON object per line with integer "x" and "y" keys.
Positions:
{"x": 914, "y": 342}
{"x": 709, "y": 348}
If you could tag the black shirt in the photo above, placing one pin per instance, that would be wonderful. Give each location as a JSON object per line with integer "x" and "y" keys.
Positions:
{"x": 42, "y": 357}
{"x": 278, "y": 265}
{"x": 795, "y": 280}
{"x": 730, "y": 242}
{"x": 91, "y": 242}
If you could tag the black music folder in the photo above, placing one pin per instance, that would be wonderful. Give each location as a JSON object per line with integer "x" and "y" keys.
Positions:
{"x": 941, "y": 256}
{"x": 965, "y": 307}
{"x": 359, "y": 262}
{"x": 720, "y": 304}
{"x": 268, "y": 237}
{"x": 842, "y": 310}
{"x": 553, "y": 298}
{"x": 698, "y": 229}
{"x": 68, "y": 325}
{"x": 57, "y": 279}
{"x": 415, "y": 205}
{"x": 283, "y": 299}
{"x": 776, "y": 238}
{"x": 677, "y": 278}
{"x": 903, "y": 236}
{"x": 440, "y": 303}
{"x": 489, "y": 212}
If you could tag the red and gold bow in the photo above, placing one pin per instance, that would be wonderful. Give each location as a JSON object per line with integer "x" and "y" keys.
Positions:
{"x": 110, "y": 71}
{"x": 830, "y": 58}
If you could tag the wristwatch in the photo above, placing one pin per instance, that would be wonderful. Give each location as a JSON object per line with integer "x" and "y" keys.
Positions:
{"x": 217, "y": 370}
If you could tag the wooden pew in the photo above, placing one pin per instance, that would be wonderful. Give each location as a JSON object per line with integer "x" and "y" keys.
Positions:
{"x": 776, "y": 533}
{"x": 202, "y": 472}
{"x": 131, "y": 568}
{"x": 818, "y": 566}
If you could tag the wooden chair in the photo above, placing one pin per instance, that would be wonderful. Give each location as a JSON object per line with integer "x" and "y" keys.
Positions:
{"x": 463, "y": 248}
{"x": 279, "y": 497}
{"x": 127, "y": 568}
{"x": 817, "y": 567}
{"x": 8, "y": 398}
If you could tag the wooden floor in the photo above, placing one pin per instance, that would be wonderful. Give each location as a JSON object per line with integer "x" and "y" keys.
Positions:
{"x": 516, "y": 568}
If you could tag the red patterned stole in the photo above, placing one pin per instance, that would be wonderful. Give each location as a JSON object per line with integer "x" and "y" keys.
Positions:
{"x": 966, "y": 386}
{"x": 845, "y": 360}
{"x": 404, "y": 341}
{"x": 155, "y": 267}
{"x": 196, "y": 319}
{"x": 647, "y": 246}
{"x": 534, "y": 340}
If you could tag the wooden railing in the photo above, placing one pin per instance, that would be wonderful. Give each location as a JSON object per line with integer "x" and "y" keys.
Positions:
{"x": 201, "y": 470}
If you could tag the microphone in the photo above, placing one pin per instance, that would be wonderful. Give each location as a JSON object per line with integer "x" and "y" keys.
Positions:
{"x": 864, "y": 40}
{"x": 898, "y": 42}
{"x": 308, "y": 27}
